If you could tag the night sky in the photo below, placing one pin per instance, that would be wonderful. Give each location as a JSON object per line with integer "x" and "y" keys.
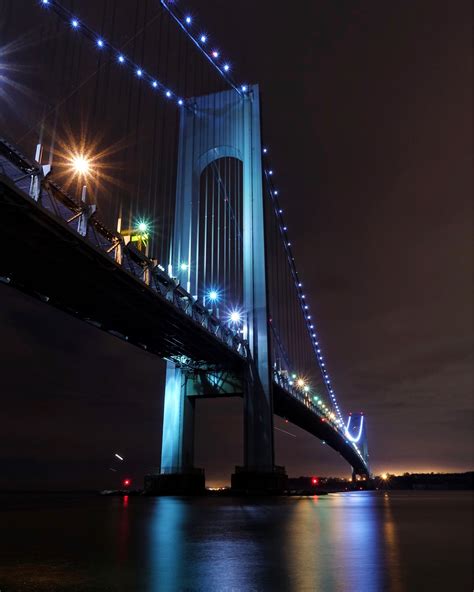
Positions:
{"x": 367, "y": 113}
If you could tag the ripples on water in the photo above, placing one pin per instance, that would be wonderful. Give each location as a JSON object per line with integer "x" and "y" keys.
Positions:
{"x": 352, "y": 542}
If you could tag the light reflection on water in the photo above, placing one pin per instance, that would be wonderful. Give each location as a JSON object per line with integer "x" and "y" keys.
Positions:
{"x": 352, "y": 542}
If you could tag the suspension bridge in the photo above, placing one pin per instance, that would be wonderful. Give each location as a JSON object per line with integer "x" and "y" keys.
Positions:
{"x": 132, "y": 166}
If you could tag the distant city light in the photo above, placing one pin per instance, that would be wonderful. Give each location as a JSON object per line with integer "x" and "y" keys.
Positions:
{"x": 384, "y": 476}
{"x": 314, "y": 481}
{"x": 126, "y": 482}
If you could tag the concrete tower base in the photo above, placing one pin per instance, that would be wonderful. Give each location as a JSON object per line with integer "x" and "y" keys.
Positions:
{"x": 191, "y": 483}
{"x": 249, "y": 482}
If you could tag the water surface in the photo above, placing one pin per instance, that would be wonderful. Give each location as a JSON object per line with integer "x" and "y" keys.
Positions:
{"x": 351, "y": 542}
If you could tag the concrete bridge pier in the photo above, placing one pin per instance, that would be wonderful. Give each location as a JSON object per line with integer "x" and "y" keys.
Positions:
{"x": 177, "y": 476}
{"x": 258, "y": 475}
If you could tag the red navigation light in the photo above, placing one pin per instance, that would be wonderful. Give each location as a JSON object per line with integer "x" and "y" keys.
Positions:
{"x": 314, "y": 481}
{"x": 126, "y": 482}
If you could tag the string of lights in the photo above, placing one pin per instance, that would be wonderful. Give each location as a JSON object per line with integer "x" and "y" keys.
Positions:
{"x": 201, "y": 41}
{"x": 278, "y": 211}
{"x": 79, "y": 26}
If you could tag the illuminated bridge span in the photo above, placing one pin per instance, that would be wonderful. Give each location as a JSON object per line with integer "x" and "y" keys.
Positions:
{"x": 150, "y": 210}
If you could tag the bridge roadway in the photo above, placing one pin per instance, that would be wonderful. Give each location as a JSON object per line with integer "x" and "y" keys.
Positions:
{"x": 42, "y": 254}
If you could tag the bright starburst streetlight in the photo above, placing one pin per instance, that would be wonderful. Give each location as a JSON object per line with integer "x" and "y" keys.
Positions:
{"x": 213, "y": 295}
{"x": 81, "y": 165}
{"x": 142, "y": 227}
{"x": 235, "y": 316}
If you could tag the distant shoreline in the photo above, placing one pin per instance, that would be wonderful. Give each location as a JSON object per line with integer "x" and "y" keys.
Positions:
{"x": 304, "y": 486}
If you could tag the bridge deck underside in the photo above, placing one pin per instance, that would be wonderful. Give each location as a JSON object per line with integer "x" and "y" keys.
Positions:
{"x": 42, "y": 256}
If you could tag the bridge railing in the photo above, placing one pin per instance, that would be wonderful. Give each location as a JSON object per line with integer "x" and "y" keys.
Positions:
{"x": 32, "y": 179}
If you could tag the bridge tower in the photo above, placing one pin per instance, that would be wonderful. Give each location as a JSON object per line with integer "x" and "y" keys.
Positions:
{"x": 223, "y": 125}
{"x": 357, "y": 435}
